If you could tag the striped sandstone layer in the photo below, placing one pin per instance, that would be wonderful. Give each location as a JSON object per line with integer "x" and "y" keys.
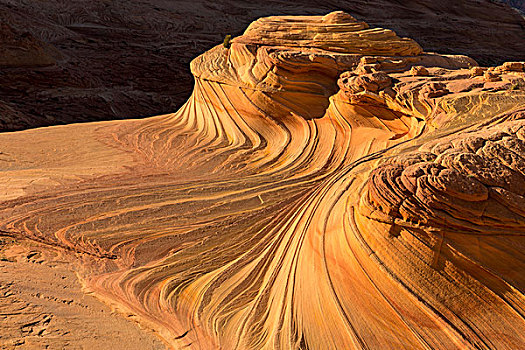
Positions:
{"x": 310, "y": 194}
{"x": 106, "y": 60}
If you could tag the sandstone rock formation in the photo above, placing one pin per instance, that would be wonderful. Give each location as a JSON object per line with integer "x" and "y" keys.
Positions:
{"x": 310, "y": 194}
{"x": 119, "y": 60}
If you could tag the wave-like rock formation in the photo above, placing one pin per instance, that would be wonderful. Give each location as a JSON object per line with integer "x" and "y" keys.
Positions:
{"x": 77, "y": 61}
{"x": 326, "y": 186}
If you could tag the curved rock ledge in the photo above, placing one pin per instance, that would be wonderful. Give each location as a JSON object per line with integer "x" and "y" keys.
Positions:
{"x": 334, "y": 188}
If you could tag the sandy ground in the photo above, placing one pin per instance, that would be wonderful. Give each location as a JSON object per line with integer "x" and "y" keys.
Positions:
{"x": 42, "y": 306}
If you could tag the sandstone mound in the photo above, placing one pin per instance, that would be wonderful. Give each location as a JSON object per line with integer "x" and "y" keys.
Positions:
{"x": 336, "y": 31}
{"x": 326, "y": 186}
{"x": 131, "y": 60}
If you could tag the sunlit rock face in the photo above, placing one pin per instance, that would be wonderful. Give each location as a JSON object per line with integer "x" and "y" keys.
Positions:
{"x": 289, "y": 65}
{"x": 104, "y": 60}
{"x": 326, "y": 186}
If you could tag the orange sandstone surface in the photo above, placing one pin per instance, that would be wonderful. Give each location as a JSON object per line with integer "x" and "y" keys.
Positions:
{"x": 327, "y": 186}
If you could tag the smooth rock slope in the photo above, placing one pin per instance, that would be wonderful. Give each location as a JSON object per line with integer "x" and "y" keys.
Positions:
{"x": 104, "y": 60}
{"x": 327, "y": 186}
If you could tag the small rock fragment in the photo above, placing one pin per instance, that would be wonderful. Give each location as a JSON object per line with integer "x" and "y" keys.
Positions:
{"x": 419, "y": 71}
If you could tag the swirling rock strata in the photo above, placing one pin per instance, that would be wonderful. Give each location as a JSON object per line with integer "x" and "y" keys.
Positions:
{"x": 131, "y": 60}
{"x": 306, "y": 196}
{"x": 336, "y": 32}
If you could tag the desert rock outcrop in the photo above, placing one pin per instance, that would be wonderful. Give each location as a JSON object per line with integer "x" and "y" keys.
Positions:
{"x": 114, "y": 60}
{"x": 310, "y": 194}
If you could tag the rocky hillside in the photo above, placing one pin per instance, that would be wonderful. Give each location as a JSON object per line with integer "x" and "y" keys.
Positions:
{"x": 327, "y": 185}
{"x": 72, "y": 61}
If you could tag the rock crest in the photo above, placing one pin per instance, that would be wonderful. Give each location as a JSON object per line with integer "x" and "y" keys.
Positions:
{"x": 326, "y": 186}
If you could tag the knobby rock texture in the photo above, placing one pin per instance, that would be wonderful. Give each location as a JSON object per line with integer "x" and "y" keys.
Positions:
{"x": 328, "y": 185}
{"x": 75, "y": 61}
